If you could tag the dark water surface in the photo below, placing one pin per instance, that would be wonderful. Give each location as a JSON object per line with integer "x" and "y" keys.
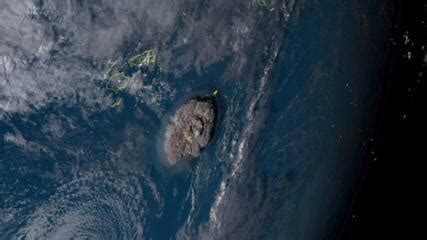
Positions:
{"x": 296, "y": 92}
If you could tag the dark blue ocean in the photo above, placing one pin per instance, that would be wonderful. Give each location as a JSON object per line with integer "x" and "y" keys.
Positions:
{"x": 80, "y": 151}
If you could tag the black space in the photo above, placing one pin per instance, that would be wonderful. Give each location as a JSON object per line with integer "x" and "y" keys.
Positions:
{"x": 385, "y": 203}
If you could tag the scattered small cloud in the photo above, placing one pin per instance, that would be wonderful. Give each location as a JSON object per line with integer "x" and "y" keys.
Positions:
{"x": 19, "y": 140}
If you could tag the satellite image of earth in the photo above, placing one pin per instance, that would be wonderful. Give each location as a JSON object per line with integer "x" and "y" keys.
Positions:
{"x": 89, "y": 89}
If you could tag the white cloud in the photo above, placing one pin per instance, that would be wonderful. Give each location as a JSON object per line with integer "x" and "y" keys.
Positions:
{"x": 55, "y": 51}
